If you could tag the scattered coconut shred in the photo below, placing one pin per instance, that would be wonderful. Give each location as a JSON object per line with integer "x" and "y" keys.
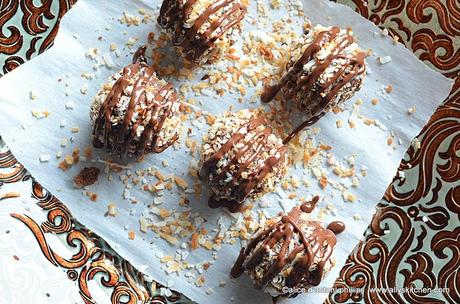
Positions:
{"x": 262, "y": 55}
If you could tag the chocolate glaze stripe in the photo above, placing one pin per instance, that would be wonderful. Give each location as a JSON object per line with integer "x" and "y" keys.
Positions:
{"x": 248, "y": 184}
{"x": 358, "y": 67}
{"x": 283, "y": 231}
{"x": 302, "y": 126}
{"x": 306, "y": 83}
{"x": 337, "y": 227}
{"x": 339, "y": 79}
{"x": 139, "y": 55}
{"x": 158, "y": 110}
{"x": 271, "y": 91}
{"x": 195, "y": 45}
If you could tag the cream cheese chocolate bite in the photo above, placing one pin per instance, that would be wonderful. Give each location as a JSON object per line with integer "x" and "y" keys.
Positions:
{"x": 135, "y": 113}
{"x": 293, "y": 252}
{"x": 326, "y": 67}
{"x": 202, "y": 30}
{"x": 241, "y": 157}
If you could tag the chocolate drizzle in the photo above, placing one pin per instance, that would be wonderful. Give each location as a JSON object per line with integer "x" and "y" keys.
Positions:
{"x": 337, "y": 227}
{"x": 307, "y": 259}
{"x": 240, "y": 186}
{"x": 174, "y": 15}
{"x": 145, "y": 112}
{"x": 139, "y": 55}
{"x": 302, "y": 126}
{"x": 297, "y": 79}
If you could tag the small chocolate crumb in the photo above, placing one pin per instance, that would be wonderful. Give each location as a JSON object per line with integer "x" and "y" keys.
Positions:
{"x": 337, "y": 227}
{"x": 87, "y": 176}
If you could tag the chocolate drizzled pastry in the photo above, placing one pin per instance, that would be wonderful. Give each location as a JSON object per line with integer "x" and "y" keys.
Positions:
{"x": 291, "y": 251}
{"x": 241, "y": 157}
{"x": 135, "y": 113}
{"x": 203, "y": 30}
{"x": 326, "y": 67}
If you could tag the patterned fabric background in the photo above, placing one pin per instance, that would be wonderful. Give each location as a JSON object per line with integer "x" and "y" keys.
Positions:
{"x": 28, "y": 30}
{"x": 430, "y": 28}
{"x": 414, "y": 237}
{"x": 87, "y": 260}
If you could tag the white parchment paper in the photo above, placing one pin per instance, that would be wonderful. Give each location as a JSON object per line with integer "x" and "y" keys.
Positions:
{"x": 414, "y": 85}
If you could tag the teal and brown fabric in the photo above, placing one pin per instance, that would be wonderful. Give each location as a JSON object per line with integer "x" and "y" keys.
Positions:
{"x": 413, "y": 240}
{"x": 27, "y": 30}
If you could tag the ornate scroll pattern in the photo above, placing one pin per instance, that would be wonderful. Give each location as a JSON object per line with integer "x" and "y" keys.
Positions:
{"x": 9, "y": 44}
{"x": 430, "y": 28}
{"x": 91, "y": 257}
{"x": 10, "y": 170}
{"x": 27, "y": 30}
{"x": 413, "y": 240}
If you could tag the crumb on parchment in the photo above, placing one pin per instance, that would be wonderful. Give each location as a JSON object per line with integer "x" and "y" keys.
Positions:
{"x": 261, "y": 56}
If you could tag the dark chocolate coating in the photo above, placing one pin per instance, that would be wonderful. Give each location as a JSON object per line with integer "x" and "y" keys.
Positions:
{"x": 121, "y": 139}
{"x": 193, "y": 42}
{"x": 241, "y": 187}
{"x": 302, "y": 256}
{"x": 323, "y": 95}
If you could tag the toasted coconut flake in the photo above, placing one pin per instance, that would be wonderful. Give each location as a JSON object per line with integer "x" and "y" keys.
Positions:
{"x": 111, "y": 209}
{"x": 87, "y": 176}
{"x": 170, "y": 239}
{"x": 131, "y": 235}
{"x": 181, "y": 183}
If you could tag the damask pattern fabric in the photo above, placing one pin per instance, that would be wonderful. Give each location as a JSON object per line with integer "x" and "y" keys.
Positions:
{"x": 414, "y": 237}
{"x": 27, "y": 30}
